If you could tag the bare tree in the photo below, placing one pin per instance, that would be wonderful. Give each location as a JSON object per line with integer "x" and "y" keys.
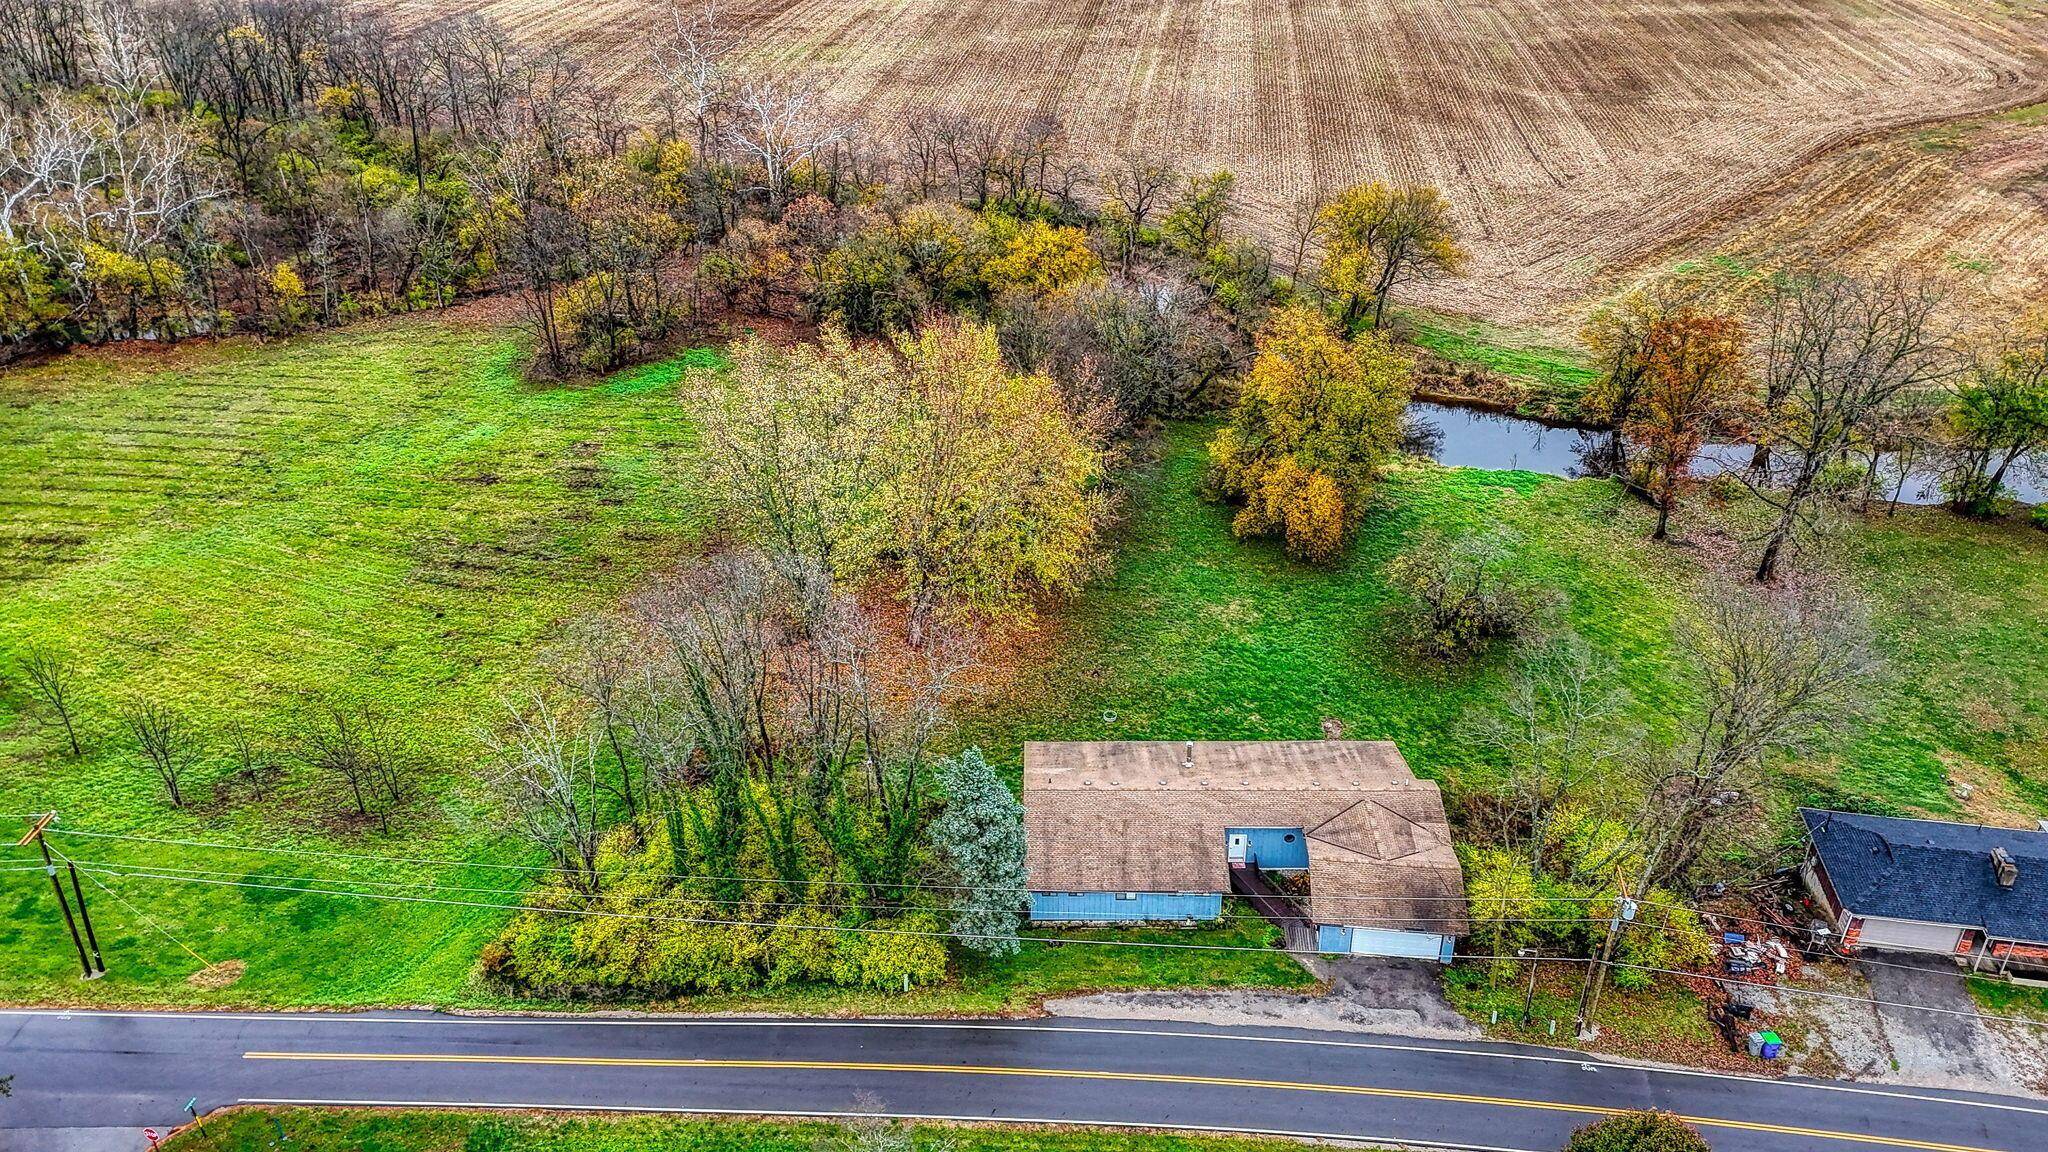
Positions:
{"x": 766, "y": 697}
{"x": 1772, "y": 673}
{"x": 921, "y": 152}
{"x": 163, "y": 738}
{"x": 1304, "y": 231}
{"x": 43, "y": 42}
{"x": 39, "y": 150}
{"x": 332, "y": 741}
{"x": 596, "y": 663}
{"x": 694, "y": 53}
{"x": 350, "y": 743}
{"x": 1836, "y": 353}
{"x": 121, "y": 56}
{"x": 546, "y": 786}
{"x": 1565, "y": 725}
{"x": 52, "y": 676}
{"x": 255, "y": 762}
{"x": 871, "y": 1129}
{"x": 775, "y": 126}
{"x": 1136, "y": 185}
{"x": 1772, "y": 670}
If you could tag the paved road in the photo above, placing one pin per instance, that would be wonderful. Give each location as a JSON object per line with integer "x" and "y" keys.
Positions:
{"x": 93, "y": 1080}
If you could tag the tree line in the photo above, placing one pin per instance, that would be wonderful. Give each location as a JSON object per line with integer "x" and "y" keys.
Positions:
{"x": 178, "y": 167}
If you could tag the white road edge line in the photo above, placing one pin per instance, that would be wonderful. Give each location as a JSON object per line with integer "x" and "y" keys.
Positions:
{"x": 829, "y": 1115}
{"x": 985, "y": 1026}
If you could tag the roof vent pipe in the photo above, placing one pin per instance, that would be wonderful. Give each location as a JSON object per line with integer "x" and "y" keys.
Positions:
{"x": 2007, "y": 869}
{"x": 1189, "y": 760}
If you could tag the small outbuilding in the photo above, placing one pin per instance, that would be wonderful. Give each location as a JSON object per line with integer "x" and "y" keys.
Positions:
{"x": 1123, "y": 831}
{"x": 1971, "y": 892}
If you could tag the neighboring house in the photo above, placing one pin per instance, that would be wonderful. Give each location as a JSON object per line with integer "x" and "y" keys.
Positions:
{"x": 1977, "y": 894}
{"x": 1150, "y": 830}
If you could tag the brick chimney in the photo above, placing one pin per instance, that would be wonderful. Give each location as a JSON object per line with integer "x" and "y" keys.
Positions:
{"x": 2004, "y": 867}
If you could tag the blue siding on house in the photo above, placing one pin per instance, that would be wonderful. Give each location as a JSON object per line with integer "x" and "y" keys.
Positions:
{"x": 1281, "y": 848}
{"x": 1114, "y": 906}
{"x": 1333, "y": 938}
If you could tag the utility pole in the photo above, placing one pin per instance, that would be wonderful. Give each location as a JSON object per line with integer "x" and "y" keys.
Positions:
{"x": 1596, "y": 973}
{"x": 1529, "y": 1000}
{"x": 35, "y": 836}
{"x": 84, "y": 916}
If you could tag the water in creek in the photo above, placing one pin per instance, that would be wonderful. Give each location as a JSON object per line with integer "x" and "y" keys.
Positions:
{"x": 1472, "y": 438}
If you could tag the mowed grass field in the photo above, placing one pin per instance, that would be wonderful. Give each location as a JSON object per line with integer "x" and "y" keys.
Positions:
{"x": 386, "y": 515}
{"x": 1570, "y": 140}
{"x": 389, "y": 513}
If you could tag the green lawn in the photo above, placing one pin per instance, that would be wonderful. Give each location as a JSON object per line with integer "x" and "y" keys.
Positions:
{"x": 387, "y": 514}
{"x": 2006, "y": 999}
{"x": 1194, "y": 633}
{"x": 254, "y": 1130}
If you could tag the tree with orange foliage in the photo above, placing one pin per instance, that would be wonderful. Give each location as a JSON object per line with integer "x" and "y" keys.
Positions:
{"x": 1692, "y": 377}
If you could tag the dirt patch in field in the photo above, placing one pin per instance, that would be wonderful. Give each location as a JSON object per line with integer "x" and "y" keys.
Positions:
{"x": 217, "y": 976}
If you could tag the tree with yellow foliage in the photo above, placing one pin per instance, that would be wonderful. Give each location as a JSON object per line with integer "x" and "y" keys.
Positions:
{"x": 289, "y": 290}
{"x": 1376, "y": 236}
{"x": 996, "y": 491}
{"x": 928, "y": 459}
{"x": 1317, "y": 417}
{"x": 1039, "y": 258}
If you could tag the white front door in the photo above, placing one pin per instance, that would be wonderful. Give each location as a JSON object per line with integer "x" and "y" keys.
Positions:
{"x": 1238, "y": 844}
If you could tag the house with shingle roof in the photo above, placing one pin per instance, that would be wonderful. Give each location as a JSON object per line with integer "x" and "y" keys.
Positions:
{"x": 1975, "y": 893}
{"x": 1122, "y": 831}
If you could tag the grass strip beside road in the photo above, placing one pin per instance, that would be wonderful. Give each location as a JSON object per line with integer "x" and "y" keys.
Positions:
{"x": 449, "y": 1130}
{"x": 1156, "y": 1078}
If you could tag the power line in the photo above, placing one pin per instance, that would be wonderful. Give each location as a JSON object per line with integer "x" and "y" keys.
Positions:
{"x": 552, "y": 868}
{"x": 1024, "y": 939}
{"x": 144, "y": 916}
{"x": 914, "y": 886}
{"x": 118, "y": 868}
{"x": 157, "y": 871}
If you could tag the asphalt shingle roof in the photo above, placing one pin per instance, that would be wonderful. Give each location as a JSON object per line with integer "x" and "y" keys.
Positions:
{"x": 1148, "y": 816}
{"x": 1934, "y": 871}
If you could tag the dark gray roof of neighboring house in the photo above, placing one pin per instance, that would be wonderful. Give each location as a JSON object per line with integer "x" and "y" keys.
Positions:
{"x": 1933, "y": 871}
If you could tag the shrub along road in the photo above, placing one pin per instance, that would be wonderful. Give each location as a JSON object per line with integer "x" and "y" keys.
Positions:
{"x": 90, "y": 1080}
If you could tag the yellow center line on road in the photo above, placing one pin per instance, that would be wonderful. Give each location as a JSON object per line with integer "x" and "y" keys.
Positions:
{"x": 1094, "y": 1074}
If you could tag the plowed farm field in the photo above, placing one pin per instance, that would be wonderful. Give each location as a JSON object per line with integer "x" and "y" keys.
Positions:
{"x": 1576, "y": 139}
